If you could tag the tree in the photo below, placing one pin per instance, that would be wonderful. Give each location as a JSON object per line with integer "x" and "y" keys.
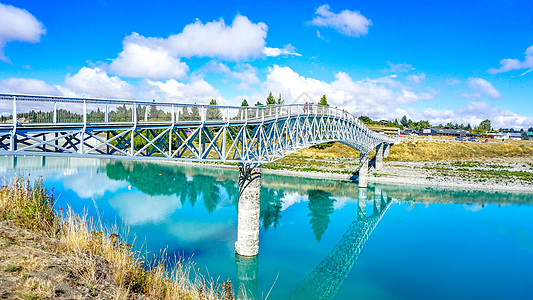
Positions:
{"x": 423, "y": 124}
{"x": 525, "y": 136}
{"x": 270, "y": 99}
{"x": 323, "y": 101}
{"x": 404, "y": 121}
{"x": 195, "y": 114}
{"x": 366, "y": 120}
{"x": 530, "y": 129}
{"x": 185, "y": 116}
{"x": 468, "y": 127}
{"x": 259, "y": 104}
{"x": 280, "y": 101}
{"x": 244, "y": 103}
{"x": 485, "y": 125}
{"x": 213, "y": 113}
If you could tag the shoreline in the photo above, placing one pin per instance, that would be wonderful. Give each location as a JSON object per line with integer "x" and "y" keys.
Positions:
{"x": 396, "y": 173}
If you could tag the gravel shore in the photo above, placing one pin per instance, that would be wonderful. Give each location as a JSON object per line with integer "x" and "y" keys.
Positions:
{"x": 469, "y": 176}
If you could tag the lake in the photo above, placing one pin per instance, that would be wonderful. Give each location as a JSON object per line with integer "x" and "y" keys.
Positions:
{"x": 319, "y": 239}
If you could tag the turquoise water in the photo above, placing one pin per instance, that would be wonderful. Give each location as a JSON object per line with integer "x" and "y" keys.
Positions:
{"x": 318, "y": 238}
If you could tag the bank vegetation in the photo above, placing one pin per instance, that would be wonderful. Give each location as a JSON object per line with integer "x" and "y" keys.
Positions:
{"x": 49, "y": 254}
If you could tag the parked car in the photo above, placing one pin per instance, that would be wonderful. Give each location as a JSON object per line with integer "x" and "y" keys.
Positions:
{"x": 473, "y": 139}
{"x": 460, "y": 138}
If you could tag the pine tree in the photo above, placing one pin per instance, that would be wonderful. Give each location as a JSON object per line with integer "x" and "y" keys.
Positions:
{"x": 244, "y": 103}
{"x": 323, "y": 101}
{"x": 280, "y": 101}
{"x": 270, "y": 99}
{"x": 404, "y": 121}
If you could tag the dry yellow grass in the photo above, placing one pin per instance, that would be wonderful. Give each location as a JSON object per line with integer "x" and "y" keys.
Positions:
{"x": 457, "y": 151}
{"x": 95, "y": 256}
{"x": 338, "y": 150}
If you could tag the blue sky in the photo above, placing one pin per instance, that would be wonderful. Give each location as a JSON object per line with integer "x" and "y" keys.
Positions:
{"x": 442, "y": 61}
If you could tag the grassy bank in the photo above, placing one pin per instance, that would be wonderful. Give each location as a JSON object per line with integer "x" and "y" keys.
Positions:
{"x": 44, "y": 254}
{"x": 343, "y": 159}
{"x": 451, "y": 151}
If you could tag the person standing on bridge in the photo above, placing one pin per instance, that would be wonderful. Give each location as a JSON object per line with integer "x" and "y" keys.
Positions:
{"x": 305, "y": 107}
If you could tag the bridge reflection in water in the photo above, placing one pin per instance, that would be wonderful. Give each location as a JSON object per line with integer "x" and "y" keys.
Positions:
{"x": 327, "y": 278}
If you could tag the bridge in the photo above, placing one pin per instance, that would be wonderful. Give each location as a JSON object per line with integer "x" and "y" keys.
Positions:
{"x": 136, "y": 129}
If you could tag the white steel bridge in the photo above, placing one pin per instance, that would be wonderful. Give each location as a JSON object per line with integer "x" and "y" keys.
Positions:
{"x": 161, "y": 130}
{"x": 250, "y": 136}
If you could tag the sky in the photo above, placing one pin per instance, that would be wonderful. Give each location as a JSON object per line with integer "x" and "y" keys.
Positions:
{"x": 442, "y": 61}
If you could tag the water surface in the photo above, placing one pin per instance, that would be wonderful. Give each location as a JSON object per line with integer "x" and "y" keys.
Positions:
{"x": 318, "y": 239}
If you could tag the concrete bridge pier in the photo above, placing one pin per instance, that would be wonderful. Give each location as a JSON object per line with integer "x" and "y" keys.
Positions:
{"x": 248, "y": 211}
{"x": 386, "y": 150}
{"x": 363, "y": 170}
{"x": 378, "y": 163}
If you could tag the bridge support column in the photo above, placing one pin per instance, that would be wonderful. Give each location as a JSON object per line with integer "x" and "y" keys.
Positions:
{"x": 386, "y": 150}
{"x": 248, "y": 212}
{"x": 363, "y": 170}
{"x": 379, "y": 156}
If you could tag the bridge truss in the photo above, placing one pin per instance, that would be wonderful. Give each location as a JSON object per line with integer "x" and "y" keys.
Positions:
{"x": 161, "y": 130}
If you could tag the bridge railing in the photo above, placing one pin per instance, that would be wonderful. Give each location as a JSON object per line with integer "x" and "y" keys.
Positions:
{"x": 43, "y": 110}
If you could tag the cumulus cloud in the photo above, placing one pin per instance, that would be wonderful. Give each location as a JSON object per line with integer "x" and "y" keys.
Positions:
{"x": 159, "y": 58}
{"x": 240, "y": 40}
{"x": 510, "y": 64}
{"x": 482, "y": 87}
{"x": 417, "y": 79}
{"x": 347, "y": 22}
{"x": 378, "y": 98}
{"x": 95, "y": 82}
{"x": 287, "y": 50}
{"x": 197, "y": 91}
{"x": 245, "y": 73}
{"x": 28, "y": 86}
{"x": 139, "y": 58}
{"x": 476, "y": 111}
{"x": 18, "y": 25}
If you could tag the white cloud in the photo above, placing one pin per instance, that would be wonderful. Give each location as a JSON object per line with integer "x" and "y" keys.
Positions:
{"x": 197, "y": 91}
{"x": 347, "y": 22}
{"x": 510, "y": 64}
{"x": 481, "y": 87}
{"x": 287, "y": 50}
{"x": 377, "y": 98}
{"x": 142, "y": 59}
{"x": 28, "y": 86}
{"x": 242, "y": 39}
{"x": 18, "y": 25}
{"x": 96, "y": 83}
{"x": 417, "y": 79}
{"x": 399, "y": 68}
{"x": 476, "y": 111}
{"x": 245, "y": 73}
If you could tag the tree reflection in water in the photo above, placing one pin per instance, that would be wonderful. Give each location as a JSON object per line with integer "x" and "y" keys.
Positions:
{"x": 157, "y": 179}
